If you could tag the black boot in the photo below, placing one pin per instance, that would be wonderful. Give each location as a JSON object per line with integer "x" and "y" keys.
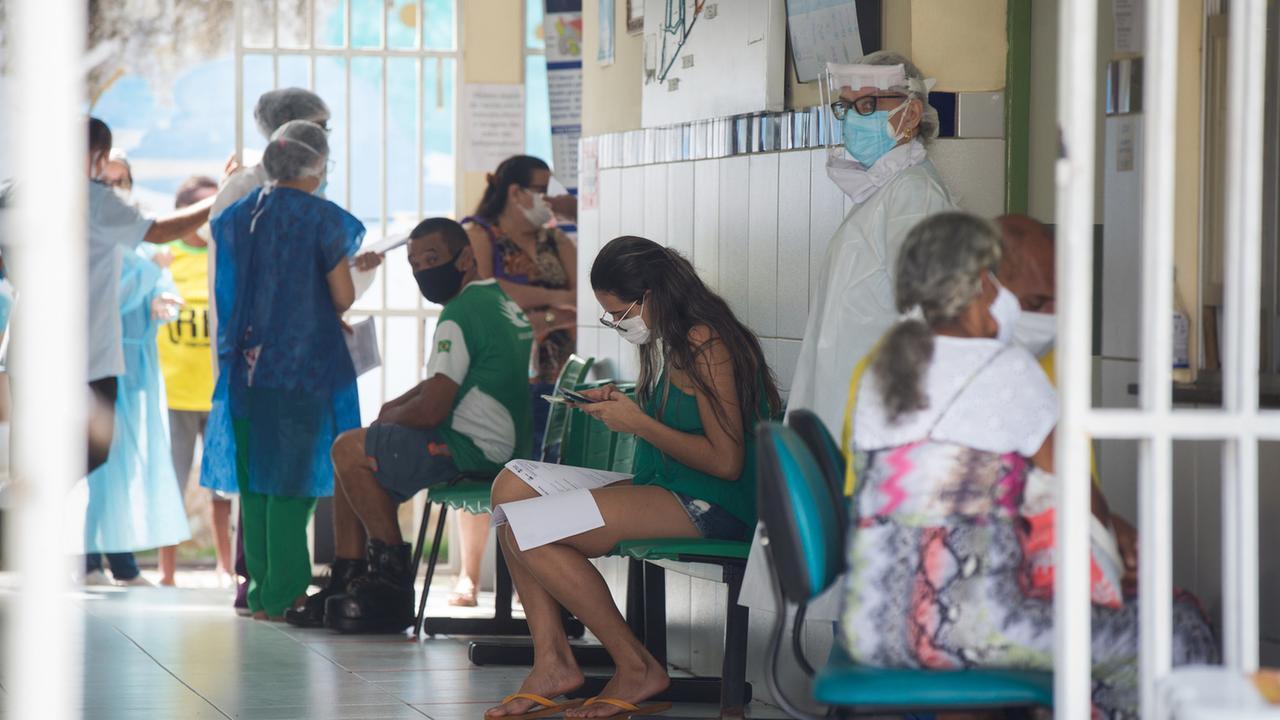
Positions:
{"x": 341, "y": 573}
{"x": 379, "y": 602}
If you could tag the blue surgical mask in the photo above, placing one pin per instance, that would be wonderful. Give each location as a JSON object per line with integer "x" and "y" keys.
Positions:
{"x": 324, "y": 183}
{"x": 869, "y": 137}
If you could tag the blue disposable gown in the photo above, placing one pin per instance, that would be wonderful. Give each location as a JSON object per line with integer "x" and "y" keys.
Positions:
{"x": 134, "y": 499}
{"x": 284, "y": 369}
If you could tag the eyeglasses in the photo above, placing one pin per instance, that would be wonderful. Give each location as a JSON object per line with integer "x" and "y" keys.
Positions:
{"x": 865, "y": 105}
{"x": 613, "y": 325}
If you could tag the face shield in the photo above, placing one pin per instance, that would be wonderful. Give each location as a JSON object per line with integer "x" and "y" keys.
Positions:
{"x": 852, "y": 92}
{"x": 861, "y": 102}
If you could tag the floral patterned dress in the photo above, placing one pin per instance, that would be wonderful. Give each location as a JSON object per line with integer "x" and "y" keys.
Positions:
{"x": 544, "y": 269}
{"x": 937, "y": 578}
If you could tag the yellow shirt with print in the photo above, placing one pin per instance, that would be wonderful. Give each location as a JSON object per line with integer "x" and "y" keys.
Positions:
{"x": 184, "y": 343}
{"x": 846, "y": 433}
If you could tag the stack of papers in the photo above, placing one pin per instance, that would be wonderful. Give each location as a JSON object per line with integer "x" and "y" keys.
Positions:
{"x": 565, "y": 506}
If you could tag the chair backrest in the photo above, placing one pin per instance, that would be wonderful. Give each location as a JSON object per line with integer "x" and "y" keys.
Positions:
{"x": 830, "y": 461}
{"x": 589, "y": 442}
{"x": 572, "y": 374}
{"x": 799, "y": 518}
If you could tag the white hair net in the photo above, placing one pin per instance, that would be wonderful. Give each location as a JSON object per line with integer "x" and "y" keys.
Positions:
{"x": 277, "y": 107}
{"x": 299, "y": 149}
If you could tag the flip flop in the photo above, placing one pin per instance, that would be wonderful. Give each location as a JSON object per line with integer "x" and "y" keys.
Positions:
{"x": 550, "y": 708}
{"x": 630, "y": 710}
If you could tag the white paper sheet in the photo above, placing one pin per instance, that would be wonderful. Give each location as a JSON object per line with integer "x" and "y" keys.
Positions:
{"x": 552, "y": 479}
{"x": 383, "y": 246}
{"x": 362, "y": 343}
{"x": 538, "y": 521}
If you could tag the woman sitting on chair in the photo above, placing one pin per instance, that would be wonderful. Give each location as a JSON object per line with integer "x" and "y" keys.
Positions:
{"x": 953, "y": 442}
{"x": 703, "y": 386}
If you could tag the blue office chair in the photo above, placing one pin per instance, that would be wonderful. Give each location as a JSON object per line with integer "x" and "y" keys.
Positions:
{"x": 801, "y": 501}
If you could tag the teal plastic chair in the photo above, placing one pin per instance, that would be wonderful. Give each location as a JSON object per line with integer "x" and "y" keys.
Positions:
{"x": 805, "y": 550}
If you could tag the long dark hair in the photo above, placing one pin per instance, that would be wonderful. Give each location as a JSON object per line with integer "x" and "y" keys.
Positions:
{"x": 515, "y": 170}
{"x": 678, "y": 301}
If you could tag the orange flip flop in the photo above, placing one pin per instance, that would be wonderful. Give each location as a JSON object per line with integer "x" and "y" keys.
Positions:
{"x": 549, "y": 708}
{"x": 629, "y": 710}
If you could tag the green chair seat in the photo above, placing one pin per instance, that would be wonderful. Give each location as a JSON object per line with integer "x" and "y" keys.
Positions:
{"x": 845, "y": 684}
{"x": 684, "y": 549}
{"x": 469, "y": 495}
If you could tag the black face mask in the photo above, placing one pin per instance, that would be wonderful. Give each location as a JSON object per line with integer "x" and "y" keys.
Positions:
{"x": 439, "y": 284}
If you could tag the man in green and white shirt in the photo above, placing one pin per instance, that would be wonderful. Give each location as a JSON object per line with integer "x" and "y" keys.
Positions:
{"x": 471, "y": 414}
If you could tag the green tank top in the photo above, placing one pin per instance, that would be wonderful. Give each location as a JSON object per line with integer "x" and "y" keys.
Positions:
{"x": 653, "y": 467}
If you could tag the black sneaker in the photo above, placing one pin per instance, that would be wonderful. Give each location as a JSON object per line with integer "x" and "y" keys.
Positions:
{"x": 341, "y": 573}
{"x": 379, "y": 602}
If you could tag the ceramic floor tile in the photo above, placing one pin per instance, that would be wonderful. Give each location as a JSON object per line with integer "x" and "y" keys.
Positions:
{"x": 398, "y": 711}
{"x": 450, "y": 686}
{"x": 179, "y": 654}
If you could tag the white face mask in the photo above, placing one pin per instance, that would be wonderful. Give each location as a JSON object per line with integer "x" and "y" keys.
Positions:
{"x": 538, "y": 214}
{"x": 1005, "y": 310}
{"x": 1036, "y": 332}
{"x": 633, "y": 330}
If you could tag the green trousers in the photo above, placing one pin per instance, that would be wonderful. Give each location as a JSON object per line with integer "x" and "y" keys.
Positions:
{"x": 275, "y": 538}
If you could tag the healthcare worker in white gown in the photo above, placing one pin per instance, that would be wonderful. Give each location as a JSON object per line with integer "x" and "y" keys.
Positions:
{"x": 880, "y": 123}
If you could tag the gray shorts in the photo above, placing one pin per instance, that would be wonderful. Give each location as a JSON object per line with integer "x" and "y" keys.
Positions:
{"x": 408, "y": 459}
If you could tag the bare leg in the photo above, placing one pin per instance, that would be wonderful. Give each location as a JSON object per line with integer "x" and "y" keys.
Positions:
{"x": 554, "y": 671}
{"x": 475, "y": 532}
{"x": 220, "y": 510}
{"x": 365, "y": 497}
{"x": 168, "y": 565}
{"x": 563, "y": 570}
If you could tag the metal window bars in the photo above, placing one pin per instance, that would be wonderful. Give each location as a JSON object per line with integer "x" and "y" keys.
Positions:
{"x": 1239, "y": 425}
{"x": 312, "y": 50}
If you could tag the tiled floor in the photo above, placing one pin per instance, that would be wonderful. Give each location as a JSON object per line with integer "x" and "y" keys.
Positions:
{"x": 175, "y": 654}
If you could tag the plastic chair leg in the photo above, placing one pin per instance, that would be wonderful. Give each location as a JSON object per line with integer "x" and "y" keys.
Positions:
{"x": 733, "y": 673}
{"x": 431, "y": 569}
{"x": 422, "y": 536}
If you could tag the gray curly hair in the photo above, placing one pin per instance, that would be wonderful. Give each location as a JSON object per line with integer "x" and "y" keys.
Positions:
{"x": 915, "y": 89}
{"x": 939, "y": 271}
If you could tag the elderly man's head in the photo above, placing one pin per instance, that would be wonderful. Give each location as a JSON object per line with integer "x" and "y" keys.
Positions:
{"x": 1027, "y": 266}
{"x": 1027, "y": 270}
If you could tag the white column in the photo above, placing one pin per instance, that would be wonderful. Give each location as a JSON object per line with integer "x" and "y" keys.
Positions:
{"x": 1155, "y": 493}
{"x": 1077, "y": 84}
{"x": 49, "y": 262}
{"x": 1246, "y": 74}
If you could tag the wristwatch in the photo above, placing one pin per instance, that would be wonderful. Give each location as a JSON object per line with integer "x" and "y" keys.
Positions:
{"x": 550, "y": 317}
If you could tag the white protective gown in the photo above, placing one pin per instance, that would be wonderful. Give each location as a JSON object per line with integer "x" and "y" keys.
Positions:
{"x": 851, "y": 308}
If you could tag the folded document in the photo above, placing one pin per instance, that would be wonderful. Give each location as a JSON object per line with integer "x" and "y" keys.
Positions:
{"x": 565, "y": 506}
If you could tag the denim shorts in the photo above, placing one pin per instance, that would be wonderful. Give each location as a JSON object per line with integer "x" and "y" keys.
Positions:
{"x": 408, "y": 459}
{"x": 712, "y": 521}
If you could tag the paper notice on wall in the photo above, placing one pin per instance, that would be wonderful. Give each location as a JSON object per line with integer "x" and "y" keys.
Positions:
{"x": 822, "y": 31}
{"x": 604, "y": 53}
{"x": 493, "y": 118}
{"x": 1126, "y": 145}
{"x": 562, "y": 28}
{"x": 1128, "y": 23}
{"x": 588, "y": 174}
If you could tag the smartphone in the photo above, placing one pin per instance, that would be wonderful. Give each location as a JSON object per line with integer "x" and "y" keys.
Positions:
{"x": 569, "y": 396}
